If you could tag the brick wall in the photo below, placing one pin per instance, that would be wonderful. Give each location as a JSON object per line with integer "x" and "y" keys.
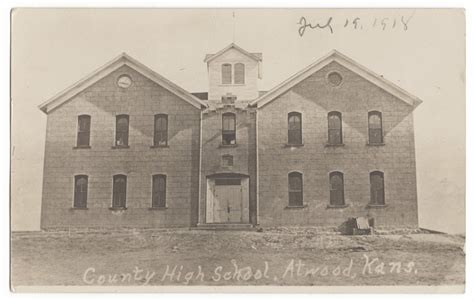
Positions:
{"x": 103, "y": 101}
{"x": 244, "y": 152}
{"x": 354, "y": 98}
{"x": 314, "y": 98}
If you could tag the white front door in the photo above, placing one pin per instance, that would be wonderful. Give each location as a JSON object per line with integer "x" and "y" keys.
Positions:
{"x": 227, "y": 207}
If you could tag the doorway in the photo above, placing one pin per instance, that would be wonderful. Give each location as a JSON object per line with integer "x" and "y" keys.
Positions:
{"x": 227, "y": 201}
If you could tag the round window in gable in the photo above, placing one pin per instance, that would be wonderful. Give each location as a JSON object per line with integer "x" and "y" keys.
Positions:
{"x": 124, "y": 81}
{"x": 334, "y": 78}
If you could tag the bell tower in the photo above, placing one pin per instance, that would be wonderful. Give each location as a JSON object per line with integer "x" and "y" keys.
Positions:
{"x": 233, "y": 72}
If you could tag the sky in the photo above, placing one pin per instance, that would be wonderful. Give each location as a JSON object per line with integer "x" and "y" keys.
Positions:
{"x": 420, "y": 50}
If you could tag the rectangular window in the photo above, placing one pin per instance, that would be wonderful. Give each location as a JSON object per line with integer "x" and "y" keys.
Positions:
{"x": 83, "y": 130}
{"x": 334, "y": 128}
{"x": 120, "y": 191}
{"x": 227, "y": 161}
{"x": 336, "y": 180}
{"x": 294, "y": 129}
{"x": 226, "y": 74}
{"x": 159, "y": 191}
{"x": 295, "y": 189}
{"x": 121, "y": 130}
{"x": 161, "y": 130}
{"x": 228, "y": 181}
{"x": 80, "y": 191}
{"x": 239, "y": 74}
{"x": 377, "y": 191}
{"x": 375, "y": 128}
{"x": 228, "y": 129}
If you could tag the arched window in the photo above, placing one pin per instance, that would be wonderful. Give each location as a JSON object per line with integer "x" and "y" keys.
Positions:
{"x": 295, "y": 189}
{"x": 83, "y": 130}
{"x": 119, "y": 199}
{"x": 336, "y": 182}
{"x": 80, "y": 191}
{"x": 377, "y": 190}
{"x": 239, "y": 74}
{"x": 228, "y": 129}
{"x": 159, "y": 191}
{"x": 121, "y": 130}
{"x": 294, "y": 128}
{"x": 334, "y": 128}
{"x": 161, "y": 130}
{"x": 226, "y": 74}
{"x": 375, "y": 128}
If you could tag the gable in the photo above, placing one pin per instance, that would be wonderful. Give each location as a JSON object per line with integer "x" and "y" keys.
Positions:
{"x": 254, "y": 56}
{"x": 349, "y": 64}
{"x": 353, "y": 95}
{"x": 141, "y": 97}
{"x": 120, "y": 61}
{"x": 232, "y": 56}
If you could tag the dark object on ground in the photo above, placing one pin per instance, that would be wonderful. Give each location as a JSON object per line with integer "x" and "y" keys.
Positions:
{"x": 357, "y": 226}
{"x": 432, "y": 231}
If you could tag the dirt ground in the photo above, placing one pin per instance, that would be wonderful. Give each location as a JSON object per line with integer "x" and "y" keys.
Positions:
{"x": 271, "y": 257}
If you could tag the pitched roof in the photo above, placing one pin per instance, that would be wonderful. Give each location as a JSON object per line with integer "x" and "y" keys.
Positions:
{"x": 255, "y": 56}
{"x": 108, "y": 68}
{"x": 335, "y": 56}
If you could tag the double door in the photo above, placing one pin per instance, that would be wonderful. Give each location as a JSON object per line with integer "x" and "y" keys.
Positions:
{"x": 227, "y": 201}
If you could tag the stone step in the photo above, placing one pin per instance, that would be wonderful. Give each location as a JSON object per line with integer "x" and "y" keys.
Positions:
{"x": 225, "y": 226}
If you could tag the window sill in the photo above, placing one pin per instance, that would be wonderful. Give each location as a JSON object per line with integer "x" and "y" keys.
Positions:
{"x": 117, "y": 208}
{"x": 231, "y": 85}
{"x": 120, "y": 146}
{"x": 227, "y": 145}
{"x": 335, "y": 145}
{"x": 79, "y": 208}
{"x": 160, "y": 146}
{"x": 294, "y": 145}
{"x": 296, "y": 207}
{"x": 158, "y": 208}
{"x": 337, "y": 206}
{"x": 375, "y": 144}
{"x": 377, "y": 206}
{"x": 82, "y": 147}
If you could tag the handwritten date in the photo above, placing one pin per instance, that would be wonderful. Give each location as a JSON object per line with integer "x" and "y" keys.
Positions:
{"x": 330, "y": 24}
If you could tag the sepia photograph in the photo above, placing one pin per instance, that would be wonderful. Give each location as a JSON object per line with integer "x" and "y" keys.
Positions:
{"x": 238, "y": 150}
